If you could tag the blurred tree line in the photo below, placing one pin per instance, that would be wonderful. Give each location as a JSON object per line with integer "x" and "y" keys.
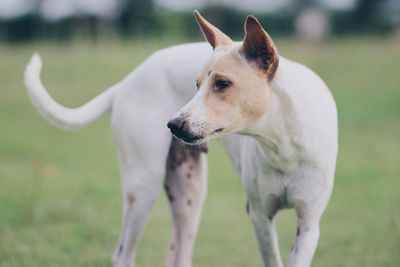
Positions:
{"x": 143, "y": 18}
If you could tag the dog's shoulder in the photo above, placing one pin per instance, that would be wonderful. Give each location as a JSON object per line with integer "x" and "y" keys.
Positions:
{"x": 312, "y": 106}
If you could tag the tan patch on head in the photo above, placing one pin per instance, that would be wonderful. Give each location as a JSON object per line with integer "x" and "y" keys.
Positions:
{"x": 246, "y": 98}
{"x": 234, "y": 88}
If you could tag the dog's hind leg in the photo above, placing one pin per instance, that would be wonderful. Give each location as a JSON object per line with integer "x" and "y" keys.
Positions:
{"x": 140, "y": 190}
{"x": 186, "y": 187}
{"x": 142, "y": 167}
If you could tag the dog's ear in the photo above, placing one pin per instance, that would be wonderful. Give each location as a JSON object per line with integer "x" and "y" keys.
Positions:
{"x": 212, "y": 34}
{"x": 259, "y": 47}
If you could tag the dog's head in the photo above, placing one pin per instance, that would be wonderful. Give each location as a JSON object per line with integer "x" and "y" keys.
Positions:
{"x": 233, "y": 87}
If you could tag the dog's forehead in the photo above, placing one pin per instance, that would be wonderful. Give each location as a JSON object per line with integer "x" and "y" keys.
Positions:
{"x": 225, "y": 56}
{"x": 223, "y": 59}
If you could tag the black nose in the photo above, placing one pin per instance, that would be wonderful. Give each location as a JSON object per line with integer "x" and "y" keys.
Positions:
{"x": 178, "y": 127}
{"x": 181, "y": 129}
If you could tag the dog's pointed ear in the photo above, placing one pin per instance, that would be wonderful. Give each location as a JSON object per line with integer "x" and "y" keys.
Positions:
{"x": 212, "y": 34}
{"x": 259, "y": 47}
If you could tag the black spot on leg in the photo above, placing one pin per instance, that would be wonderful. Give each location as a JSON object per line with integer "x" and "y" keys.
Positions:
{"x": 180, "y": 153}
{"x": 248, "y": 207}
{"x": 169, "y": 194}
{"x": 294, "y": 249}
{"x": 120, "y": 249}
{"x": 189, "y": 202}
{"x": 272, "y": 214}
{"x": 179, "y": 162}
{"x": 298, "y": 231}
{"x": 196, "y": 150}
{"x": 188, "y": 155}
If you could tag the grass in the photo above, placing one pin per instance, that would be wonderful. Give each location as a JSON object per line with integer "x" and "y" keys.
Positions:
{"x": 60, "y": 200}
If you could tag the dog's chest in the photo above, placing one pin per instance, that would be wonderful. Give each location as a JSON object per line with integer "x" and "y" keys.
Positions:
{"x": 269, "y": 174}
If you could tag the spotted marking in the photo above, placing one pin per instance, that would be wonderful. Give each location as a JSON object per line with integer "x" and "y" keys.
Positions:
{"x": 180, "y": 152}
{"x": 121, "y": 247}
{"x": 131, "y": 198}
{"x": 169, "y": 194}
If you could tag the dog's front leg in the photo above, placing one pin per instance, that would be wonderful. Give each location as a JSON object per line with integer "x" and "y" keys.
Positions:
{"x": 310, "y": 198}
{"x": 264, "y": 228}
{"x": 305, "y": 244}
{"x": 186, "y": 187}
{"x": 307, "y": 234}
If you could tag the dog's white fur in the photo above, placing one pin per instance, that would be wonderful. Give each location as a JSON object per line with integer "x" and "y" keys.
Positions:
{"x": 141, "y": 104}
{"x": 286, "y": 158}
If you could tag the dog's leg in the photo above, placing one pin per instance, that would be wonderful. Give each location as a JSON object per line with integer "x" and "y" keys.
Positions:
{"x": 142, "y": 165}
{"x": 186, "y": 186}
{"x": 140, "y": 190}
{"x": 309, "y": 205}
{"x": 306, "y": 241}
{"x": 264, "y": 228}
{"x": 307, "y": 234}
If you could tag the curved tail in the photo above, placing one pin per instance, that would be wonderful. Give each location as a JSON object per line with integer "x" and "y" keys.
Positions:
{"x": 63, "y": 117}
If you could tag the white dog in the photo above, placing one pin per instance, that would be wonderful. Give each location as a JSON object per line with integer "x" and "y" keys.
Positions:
{"x": 284, "y": 150}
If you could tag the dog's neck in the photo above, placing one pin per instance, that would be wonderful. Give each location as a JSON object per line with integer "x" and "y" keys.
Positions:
{"x": 278, "y": 131}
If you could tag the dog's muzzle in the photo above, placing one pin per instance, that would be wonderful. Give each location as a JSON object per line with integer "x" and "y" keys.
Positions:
{"x": 180, "y": 129}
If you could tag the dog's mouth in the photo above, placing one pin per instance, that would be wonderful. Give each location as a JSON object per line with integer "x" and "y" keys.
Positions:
{"x": 191, "y": 139}
{"x": 197, "y": 139}
{"x": 218, "y": 130}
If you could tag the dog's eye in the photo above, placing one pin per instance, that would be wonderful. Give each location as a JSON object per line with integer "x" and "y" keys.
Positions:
{"x": 221, "y": 85}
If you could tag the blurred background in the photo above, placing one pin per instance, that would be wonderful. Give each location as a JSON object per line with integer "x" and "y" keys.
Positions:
{"x": 60, "y": 200}
{"x": 63, "y": 20}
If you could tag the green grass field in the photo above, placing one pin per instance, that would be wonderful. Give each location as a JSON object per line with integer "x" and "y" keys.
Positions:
{"x": 60, "y": 200}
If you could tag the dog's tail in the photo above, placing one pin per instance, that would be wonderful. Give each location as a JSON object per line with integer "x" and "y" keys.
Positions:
{"x": 63, "y": 117}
